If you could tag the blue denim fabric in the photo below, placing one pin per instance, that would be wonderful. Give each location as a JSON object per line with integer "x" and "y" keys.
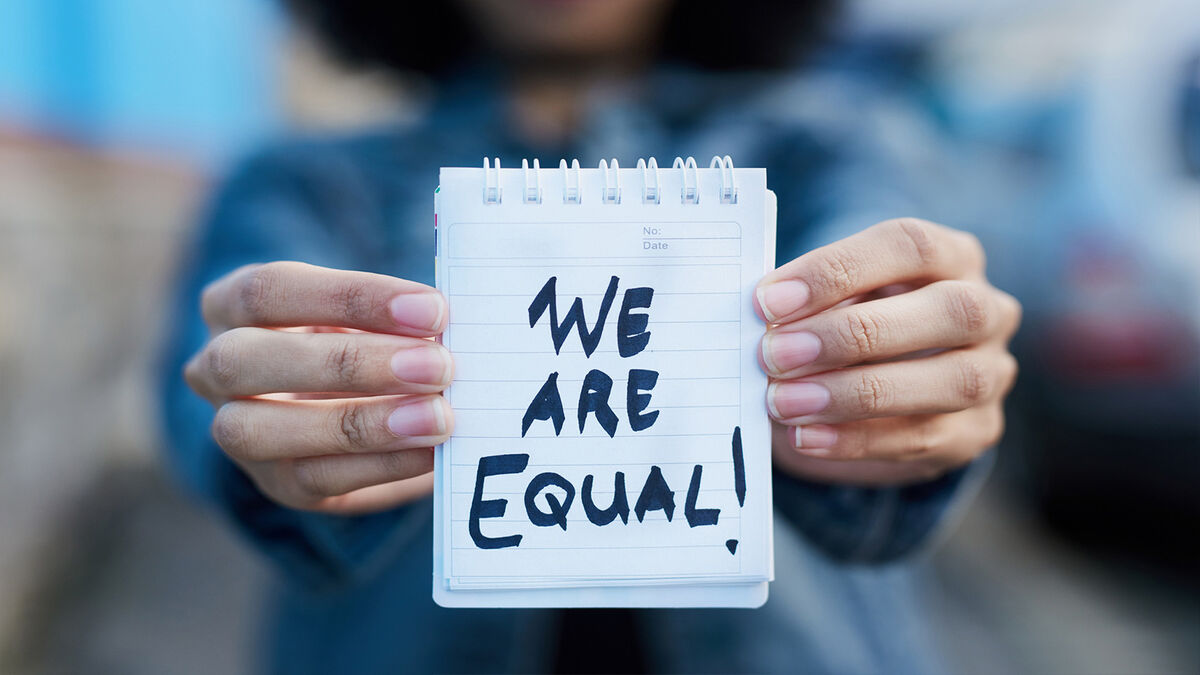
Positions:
{"x": 357, "y": 591}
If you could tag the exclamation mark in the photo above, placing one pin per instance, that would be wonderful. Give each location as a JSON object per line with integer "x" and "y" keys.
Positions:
{"x": 739, "y": 480}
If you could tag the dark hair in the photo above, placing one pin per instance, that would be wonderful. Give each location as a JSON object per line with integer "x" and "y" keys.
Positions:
{"x": 433, "y": 37}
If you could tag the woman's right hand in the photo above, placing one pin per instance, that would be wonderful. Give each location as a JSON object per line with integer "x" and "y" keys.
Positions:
{"x": 327, "y": 383}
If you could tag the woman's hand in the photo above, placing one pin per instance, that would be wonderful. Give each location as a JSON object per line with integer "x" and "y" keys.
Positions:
{"x": 887, "y": 355}
{"x": 326, "y": 384}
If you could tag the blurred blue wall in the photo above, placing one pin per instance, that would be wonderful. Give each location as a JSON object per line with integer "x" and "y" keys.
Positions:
{"x": 188, "y": 77}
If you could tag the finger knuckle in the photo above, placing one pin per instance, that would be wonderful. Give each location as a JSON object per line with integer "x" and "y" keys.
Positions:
{"x": 354, "y": 301}
{"x": 920, "y": 440}
{"x": 222, "y": 361}
{"x": 352, "y": 428}
{"x": 975, "y": 382}
{"x": 256, "y": 292}
{"x": 921, "y": 238}
{"x": 229, "y": 430}
{"x": 314, "y": 476}
{"x": 395, "y": 465}
{"x": 839, "y": 273}
{"x": 875, "y": 393}
{"x": 345, "y": 362}
{"x": 970, "y": 308}
{"x": 863, "y": 333}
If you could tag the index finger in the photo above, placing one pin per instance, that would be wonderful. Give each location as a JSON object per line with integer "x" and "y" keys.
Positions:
{"x": 894, "y": 251}
{"x": 284, "y": 294}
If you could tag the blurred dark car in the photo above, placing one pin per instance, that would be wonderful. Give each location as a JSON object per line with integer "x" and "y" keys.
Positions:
{"x": 1110, "y": 397}
{"x": 1086, "y": 177}
{"x": 1110, "y": 390}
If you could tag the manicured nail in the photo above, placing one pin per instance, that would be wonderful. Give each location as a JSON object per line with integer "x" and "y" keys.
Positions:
{"x": 423, "y": 311}
{"x": 422, "y": 365}
{"x": 782, "y": 352}
{"x": 815, "y": 439}
{"x": 796, "y": 399}
{"x": 427, "y": 418}
{"x": 781, "y": 298}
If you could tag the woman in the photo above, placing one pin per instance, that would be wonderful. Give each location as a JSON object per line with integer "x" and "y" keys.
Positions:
{"x": 887, "y": 348}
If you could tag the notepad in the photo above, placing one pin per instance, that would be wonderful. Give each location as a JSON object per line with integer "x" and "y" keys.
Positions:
{"x": 611, "y": 444}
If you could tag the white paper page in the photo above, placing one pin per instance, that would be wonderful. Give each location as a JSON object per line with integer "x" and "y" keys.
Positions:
{"x": 698, "y": 386}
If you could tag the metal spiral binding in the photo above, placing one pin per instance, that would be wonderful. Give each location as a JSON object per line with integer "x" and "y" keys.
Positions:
{"x": 533, "y": 191}
{"x": 612, "y": 183}
{"x": 689, "y": 172}
{"x": 570, "y": 191}
{"x": 688, "y": 194}
{"x": 491, "y": 182}
{"x": 729, "y": 191}
{"x": 651, "y": 194}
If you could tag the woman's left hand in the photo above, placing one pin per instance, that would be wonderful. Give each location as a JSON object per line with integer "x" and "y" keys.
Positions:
{"x": 888, "y": 355}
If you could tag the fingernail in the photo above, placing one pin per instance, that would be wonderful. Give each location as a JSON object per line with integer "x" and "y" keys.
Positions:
{"x": 781, "y": 298}
{"x": 426, "y": 418}
{"x": 422, "y": 365}
{"x": 423, "y": 311}
{"x": 782, "y": 352}
{"x": 815, "y": 439}
{"x": 796, "y": 399}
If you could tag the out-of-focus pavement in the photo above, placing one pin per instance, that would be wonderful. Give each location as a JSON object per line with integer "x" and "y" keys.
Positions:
{"x": 88, "y": 242}
{"x": 1010, "y": 597}
{"x": 148, "y": 584}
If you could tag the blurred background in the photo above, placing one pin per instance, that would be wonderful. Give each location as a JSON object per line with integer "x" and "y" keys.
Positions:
{"x": 1078, "y": 122}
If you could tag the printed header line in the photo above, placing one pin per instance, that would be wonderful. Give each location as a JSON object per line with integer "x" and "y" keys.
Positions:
{"x": 594, "y": 257}
{"x": 706, "y": 266}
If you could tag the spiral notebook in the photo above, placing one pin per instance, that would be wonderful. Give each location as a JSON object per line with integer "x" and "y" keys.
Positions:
{"x": 611, "y": 443}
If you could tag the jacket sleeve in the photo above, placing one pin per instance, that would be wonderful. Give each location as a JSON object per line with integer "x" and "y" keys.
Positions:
{"x": 267, "y": 210}
{"x": 876, "y": 525}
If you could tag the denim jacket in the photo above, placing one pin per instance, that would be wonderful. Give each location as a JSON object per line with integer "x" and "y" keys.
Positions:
{"x": 356, "y": 596}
